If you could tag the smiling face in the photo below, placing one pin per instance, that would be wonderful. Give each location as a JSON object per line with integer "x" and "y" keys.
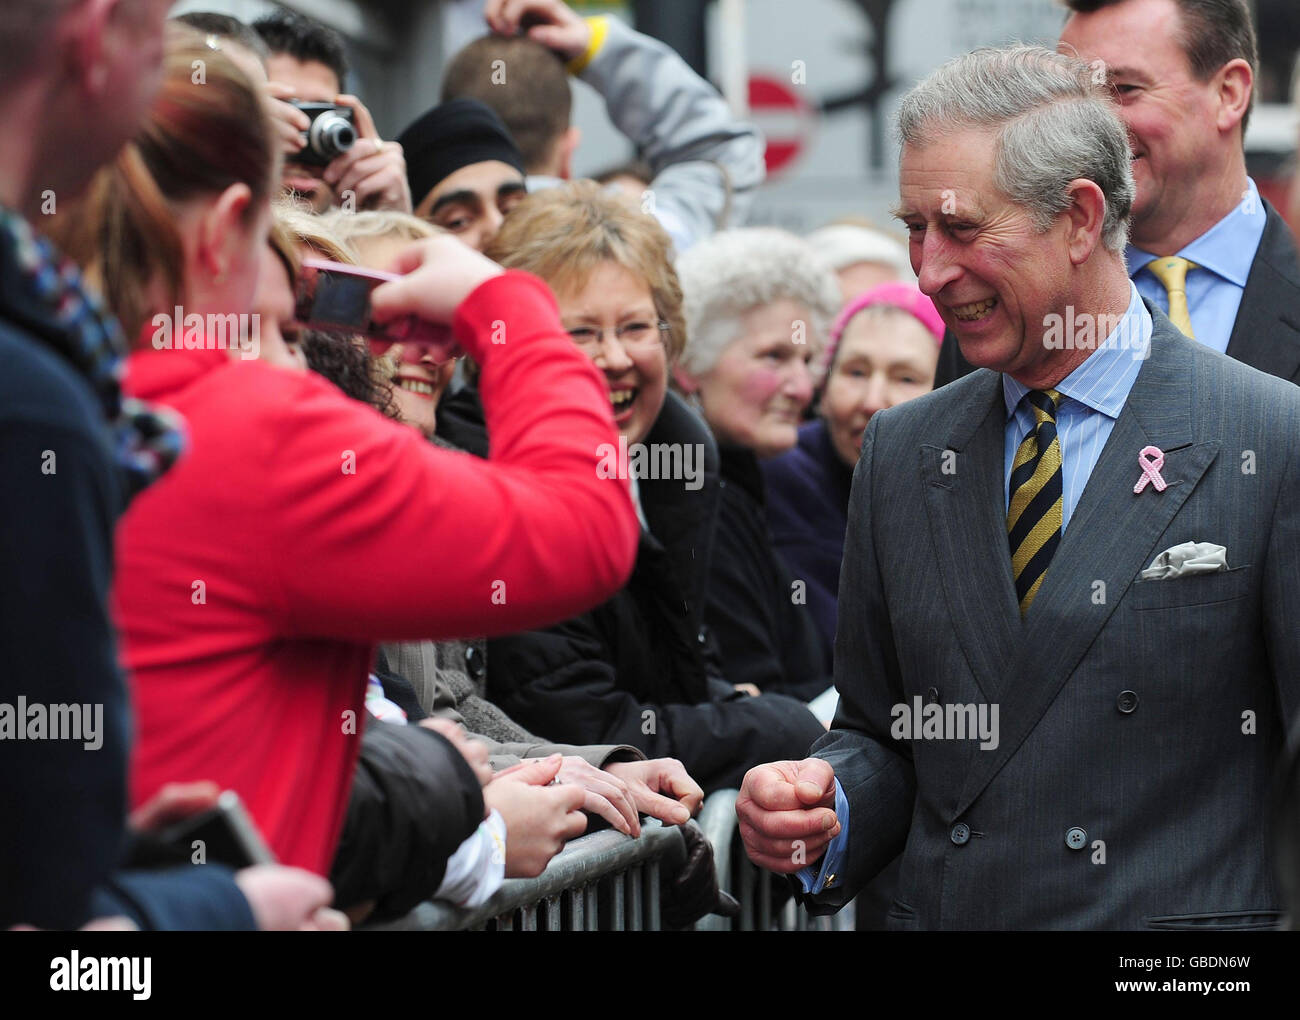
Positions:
{"x": 883, "y": 359}
{"x": 755, "y": 394}
{"x": 417, "y": 388}
{"x": 1171, "y": 117}
{"x": 993, "y": 277}
{"x": 637, "y": 371}
{"x": 473, "y": 201}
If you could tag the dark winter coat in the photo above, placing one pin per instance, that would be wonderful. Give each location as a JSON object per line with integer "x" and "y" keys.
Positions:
{"x": 636, "y": 669}
{"x": 414, "y": 800}
{"x": 758, "y": 609}
{"x": 808, "y": 511}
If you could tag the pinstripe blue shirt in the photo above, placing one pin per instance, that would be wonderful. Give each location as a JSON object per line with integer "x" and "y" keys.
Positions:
{"x": 1092, "y": 397}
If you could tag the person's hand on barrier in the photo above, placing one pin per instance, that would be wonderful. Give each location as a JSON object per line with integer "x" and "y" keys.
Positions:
{"x": 174, "y": 803}
{"x": 661, "y": 788}
{"x": 539, "y": 818}
{"x": 474, "y": 751}
{"x": 607, "y": 794}
{"x": 785, "y": 803}
{"x": 438, "y": 274}
{"x": 289, "y": 899}
{"x": 548, "y": 22}
{"x": 373, "y": 170}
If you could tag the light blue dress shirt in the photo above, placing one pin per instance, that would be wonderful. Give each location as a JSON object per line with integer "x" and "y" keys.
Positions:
{"x": 1092, "y": 397}
{"x": 1224, "y": 254}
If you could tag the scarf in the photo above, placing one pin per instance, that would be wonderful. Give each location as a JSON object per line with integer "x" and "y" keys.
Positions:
{"x": 44, "y": 292}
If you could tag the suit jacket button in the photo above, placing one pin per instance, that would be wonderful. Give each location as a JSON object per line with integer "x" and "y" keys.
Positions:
{"x": 1126, "y": 702}
{"x": 960, "y": 834}
{"x": 932, "y": 696}
{"x": 1076, "y": 838}
{"x": 474, "y": 663}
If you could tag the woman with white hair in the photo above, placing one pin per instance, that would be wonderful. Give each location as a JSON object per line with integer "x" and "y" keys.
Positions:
{"x": 861, "y": 256}
{"x": 758, "y": 304}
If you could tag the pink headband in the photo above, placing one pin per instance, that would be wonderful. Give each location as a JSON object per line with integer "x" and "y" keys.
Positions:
{"x": 901, "y": 295}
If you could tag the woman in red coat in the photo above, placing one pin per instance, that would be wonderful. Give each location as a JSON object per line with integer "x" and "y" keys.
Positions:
{"x": 301, "y": 527}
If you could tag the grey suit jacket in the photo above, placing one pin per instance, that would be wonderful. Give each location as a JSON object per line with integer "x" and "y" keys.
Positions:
{"x": 1146, "y": 715}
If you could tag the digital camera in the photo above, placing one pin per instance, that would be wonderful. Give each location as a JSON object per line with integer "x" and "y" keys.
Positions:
{"x": 330, "y": 135}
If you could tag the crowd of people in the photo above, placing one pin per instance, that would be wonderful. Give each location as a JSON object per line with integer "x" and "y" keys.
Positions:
{"x": 643, "y": 533}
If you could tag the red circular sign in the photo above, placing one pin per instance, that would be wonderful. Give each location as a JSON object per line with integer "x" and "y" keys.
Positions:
{"x": 784, "y": 118}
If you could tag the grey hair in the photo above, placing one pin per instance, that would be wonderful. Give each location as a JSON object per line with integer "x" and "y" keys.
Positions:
{"x": 1056, "y": 123}
{"x": 732, "y": 272}
{"x": 846, "y": 244}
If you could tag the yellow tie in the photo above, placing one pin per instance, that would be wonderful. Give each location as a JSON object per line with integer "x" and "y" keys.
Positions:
{"x": 1034, "y": 513}
{"x": 1172, "y": 272}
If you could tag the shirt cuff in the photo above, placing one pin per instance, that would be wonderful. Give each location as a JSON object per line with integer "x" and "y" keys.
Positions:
{"x": 828, "y": 875}
{"x": 478, "y": 867}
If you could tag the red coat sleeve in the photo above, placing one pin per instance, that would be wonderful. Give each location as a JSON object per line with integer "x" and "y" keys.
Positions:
{"x": 379, "y": 535}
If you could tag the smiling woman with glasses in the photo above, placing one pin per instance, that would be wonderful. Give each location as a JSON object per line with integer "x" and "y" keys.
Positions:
{"x": 629, "y": 334}
{"x": 642, "y": 655}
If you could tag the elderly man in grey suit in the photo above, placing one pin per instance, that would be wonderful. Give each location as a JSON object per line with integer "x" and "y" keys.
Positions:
{"x": 1067, "y": 643}
{"x": 1204, "y": 246}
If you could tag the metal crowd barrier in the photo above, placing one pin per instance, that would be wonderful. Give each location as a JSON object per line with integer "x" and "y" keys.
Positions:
{"x": 604, "y": 881}
{"x": 751, "y": 886}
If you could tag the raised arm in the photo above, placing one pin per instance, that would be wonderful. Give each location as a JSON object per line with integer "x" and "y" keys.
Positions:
{"x": 707, "y": 165}
{"x": 383, "y": 536}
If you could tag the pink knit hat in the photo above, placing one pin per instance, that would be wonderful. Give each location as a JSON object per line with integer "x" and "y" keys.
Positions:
{"x": 901, "y": 295}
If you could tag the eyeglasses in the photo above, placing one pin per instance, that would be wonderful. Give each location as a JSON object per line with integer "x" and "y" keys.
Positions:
{"x": 633, "y": 335}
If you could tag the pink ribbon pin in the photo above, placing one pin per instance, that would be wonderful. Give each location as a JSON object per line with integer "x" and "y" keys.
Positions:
{"x": 1151, "y": 460}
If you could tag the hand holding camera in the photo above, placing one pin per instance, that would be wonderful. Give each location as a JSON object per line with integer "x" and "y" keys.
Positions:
{"x": 339, "y": 142}
{"x": 412, "y": 305}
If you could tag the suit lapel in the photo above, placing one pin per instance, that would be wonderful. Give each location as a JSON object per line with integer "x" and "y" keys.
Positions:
{"x": 1110, "y": 539}
{"x": 962, "y": 483}
{"x": 1266, "y": 334}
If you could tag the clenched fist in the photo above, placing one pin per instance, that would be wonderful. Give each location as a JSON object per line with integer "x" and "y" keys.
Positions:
{"x": 784, "y": 802}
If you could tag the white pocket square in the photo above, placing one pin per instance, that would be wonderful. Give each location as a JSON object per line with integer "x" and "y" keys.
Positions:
{"x": 1185, "y": 559}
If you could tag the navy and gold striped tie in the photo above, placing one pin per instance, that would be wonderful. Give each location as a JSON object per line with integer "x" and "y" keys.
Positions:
{"x": 1037, "y": 496}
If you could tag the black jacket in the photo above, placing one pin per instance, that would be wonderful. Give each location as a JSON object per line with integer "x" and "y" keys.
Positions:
{"x": 757, "y": 609}
{"x": 414, "y": 800}
{"x": 63, "y": 806}
{"x": 635, "y": 669}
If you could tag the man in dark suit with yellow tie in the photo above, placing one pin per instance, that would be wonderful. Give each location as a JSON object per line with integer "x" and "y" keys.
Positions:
{"x": 1067, "y": 640}
{"x": 1205, "y": 247}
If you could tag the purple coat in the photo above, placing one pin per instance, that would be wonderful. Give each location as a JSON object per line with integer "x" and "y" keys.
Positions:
{"x": 807, "y": 508}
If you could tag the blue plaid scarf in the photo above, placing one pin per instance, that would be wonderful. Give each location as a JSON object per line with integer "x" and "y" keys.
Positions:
{"x": 45, "y": 293}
